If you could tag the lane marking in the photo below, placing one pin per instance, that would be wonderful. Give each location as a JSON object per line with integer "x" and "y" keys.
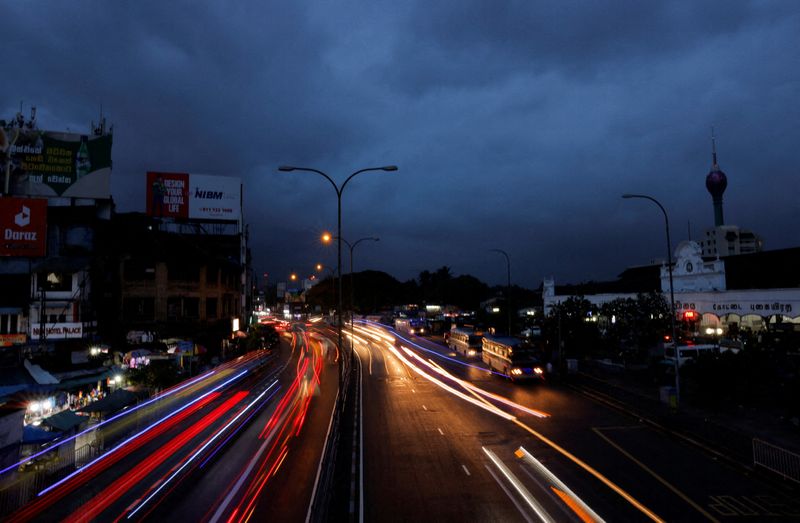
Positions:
{"x": 424, "y": 407}
{"x": 588, "y": 468}
{"x": 656, "y": 476}
{"x": 440, "y": 431}
{"x": 520, "y": 488}
{"x": 567, "y": 496}
{"x": 561, "y": 450}
{"x": 466, "y": 470}
{"x": 510, "y": 496}
{"x": 361, "y": 440}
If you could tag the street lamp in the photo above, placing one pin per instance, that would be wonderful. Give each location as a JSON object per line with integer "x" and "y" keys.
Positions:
{"x": 339, "y": 190}
{"x": 326, "y": 238}
{"x": 671, "y": 293}
{"x": 319, "y": 267}
{"x": 508, "y": 273}
{"x": 352, "y": 280}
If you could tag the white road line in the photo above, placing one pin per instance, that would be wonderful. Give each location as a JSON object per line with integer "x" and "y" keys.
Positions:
{"x": 528, "y": 458}
{"x": 319, "y": 468}
{"x": 466, "y": 470}
{"x": 520, "y": 488}
{"x": 440, "y": 431}
{"x": 361, "y": 440}
{"x": 510, "y": 496}
{"x": 424, "y": 407}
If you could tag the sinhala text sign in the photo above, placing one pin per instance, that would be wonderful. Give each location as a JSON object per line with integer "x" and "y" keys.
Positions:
{"x": 46, "y": 163}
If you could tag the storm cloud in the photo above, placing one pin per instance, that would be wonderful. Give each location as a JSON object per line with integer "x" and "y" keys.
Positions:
{"x": 515, "y": 125}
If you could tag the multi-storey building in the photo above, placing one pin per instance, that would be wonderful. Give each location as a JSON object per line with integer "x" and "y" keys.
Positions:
{"x": 178, "y": 279}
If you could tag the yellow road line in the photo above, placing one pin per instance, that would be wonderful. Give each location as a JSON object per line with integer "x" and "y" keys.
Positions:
{"x": 656, "y": 476}
{"x": 585, "y": 466}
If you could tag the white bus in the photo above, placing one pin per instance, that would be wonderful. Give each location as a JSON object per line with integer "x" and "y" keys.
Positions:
{"x": 410, "y": 325}
{"x": 465, "y": 341}
{"x": 513, "y": 358}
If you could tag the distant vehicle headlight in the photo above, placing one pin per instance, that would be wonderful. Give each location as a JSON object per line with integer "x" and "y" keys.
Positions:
{"x": 538, "y": 370}
{"x": 516, "y": 372}
{"x": 472, "y": 352}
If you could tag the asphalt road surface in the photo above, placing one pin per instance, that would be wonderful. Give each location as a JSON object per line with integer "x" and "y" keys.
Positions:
{"x": 438, "y": 447}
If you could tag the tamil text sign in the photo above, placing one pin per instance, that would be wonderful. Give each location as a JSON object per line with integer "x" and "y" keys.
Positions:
{"x": 23, "y": 222}
{"x": 45, "y": 163}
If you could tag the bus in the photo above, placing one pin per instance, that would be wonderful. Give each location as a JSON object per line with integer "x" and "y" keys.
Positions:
{"x": 465, "y": 341}
{"x": 512, "y": 357}
{"x": 410, "y": 325}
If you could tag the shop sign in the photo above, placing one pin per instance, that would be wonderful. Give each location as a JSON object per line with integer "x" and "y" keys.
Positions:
{"x": 58, "y": 331}
{"x": 8, "y": 340}
{"x": 23, "y": 225}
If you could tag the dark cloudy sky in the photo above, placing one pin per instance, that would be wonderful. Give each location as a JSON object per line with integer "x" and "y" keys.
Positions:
{"x": 516, "y": 125}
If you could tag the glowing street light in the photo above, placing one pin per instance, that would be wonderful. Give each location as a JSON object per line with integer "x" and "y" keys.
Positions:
{"x": 339, "y": 190}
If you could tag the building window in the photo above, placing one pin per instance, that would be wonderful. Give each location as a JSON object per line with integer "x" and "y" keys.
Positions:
{"x": 173, "y": 308}
{"x": 55, "y": 281}
{"x": 9, "y": 324}
{"x": 212, "y": 274}
{"x": 211, "y": 308}
{"x": 138, "y": 270}
{"x": 138, "y": 308}
{"x": 183, "y": 272}
{"x": 191, "y": 308}
{"x": 179, "y": 308}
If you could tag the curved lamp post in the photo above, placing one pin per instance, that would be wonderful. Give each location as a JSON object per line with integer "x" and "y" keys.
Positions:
{"x": 339, "y": 190}
{"x": 671, "y": 294}
{"x": 327, "y": 239}
{"x": 508, "y": 273}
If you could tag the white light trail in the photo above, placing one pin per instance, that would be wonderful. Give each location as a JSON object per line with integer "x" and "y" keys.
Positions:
{"x": 528, "y": 458}
{"x": 490, "y": 408}
{"x": 520, "y": 488}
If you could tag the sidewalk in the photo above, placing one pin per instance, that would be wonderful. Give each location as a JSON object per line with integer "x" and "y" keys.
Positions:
{"x": 729, "y": 435}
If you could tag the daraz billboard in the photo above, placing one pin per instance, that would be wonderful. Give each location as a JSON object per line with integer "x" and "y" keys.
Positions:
{"x": 195, "y": 196}
{"x": 47, "y": 163}
{"x": 23, "y": 225}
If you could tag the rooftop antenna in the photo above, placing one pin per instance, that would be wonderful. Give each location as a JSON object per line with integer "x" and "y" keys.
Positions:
{"x": 100, "y": 128}
{"x": 32, "y": 122}
{"x": 713, "y": 147}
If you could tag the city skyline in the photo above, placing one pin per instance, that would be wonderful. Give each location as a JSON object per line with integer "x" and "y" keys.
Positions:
{"x": 515, "y": 129}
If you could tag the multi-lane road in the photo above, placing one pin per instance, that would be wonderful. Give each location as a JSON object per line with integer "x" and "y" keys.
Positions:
{"x": 446, "y": 440}
{"x": 432, "y": 436}
{"x": 233, "y": 444}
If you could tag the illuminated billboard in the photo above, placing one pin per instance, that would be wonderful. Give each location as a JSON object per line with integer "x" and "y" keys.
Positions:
{"x": 46, "y": 163}
{"x": 23, "y": 225}
{"x": 195, "y": 196}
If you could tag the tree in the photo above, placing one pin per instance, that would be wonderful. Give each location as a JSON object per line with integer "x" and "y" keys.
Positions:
{"x": 572, "y": 323}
